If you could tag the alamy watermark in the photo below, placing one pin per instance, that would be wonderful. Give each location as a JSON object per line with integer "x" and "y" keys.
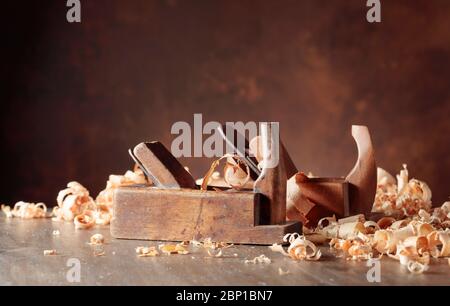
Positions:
{"x": 229, "y": 138}
{"x": 374, "y": 273}
{"x": 73, "y": 275}
{"x": 374, "y": 13}
{"x": 74, "y": 12}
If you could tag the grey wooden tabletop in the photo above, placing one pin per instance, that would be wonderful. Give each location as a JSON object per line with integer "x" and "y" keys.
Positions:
{"x": 22, "y": 262}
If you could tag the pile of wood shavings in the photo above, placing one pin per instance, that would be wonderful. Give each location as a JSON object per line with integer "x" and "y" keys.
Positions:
{"x": 25, "y": 210}
{"x": 75, "y": 204}
{"x": 401, "y": 197}
{"x": 214, "y": 249}
{"x": 413, "y": 241}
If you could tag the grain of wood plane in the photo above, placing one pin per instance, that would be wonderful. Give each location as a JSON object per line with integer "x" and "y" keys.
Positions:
{"x": 175, "y": 209}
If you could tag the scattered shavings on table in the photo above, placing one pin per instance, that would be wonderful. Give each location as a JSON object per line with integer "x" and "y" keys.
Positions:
{"x": 261, "y": 259}
{"x": 411, "y": 231}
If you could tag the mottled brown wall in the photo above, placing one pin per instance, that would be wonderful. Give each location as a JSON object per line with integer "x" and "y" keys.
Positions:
{"x": 75, "y": 97}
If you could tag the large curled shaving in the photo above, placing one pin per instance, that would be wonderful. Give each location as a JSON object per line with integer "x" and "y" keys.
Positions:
{"x": 232, "y": 172}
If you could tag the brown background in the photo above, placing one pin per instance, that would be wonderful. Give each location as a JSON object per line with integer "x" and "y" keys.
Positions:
{"x": 75, "y": 97}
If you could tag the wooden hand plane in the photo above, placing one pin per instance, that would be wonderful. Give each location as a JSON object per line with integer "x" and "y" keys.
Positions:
{"x": 177, "y": 210}
{"x": 319, "y": 197}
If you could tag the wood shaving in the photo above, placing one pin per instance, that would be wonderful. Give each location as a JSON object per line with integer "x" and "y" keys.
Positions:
{"x": 261, "y": 259}
{"x": 170, "y": 249}
{"x": 234, "y": 176}
{"x": 99, "y": 253}
{"x": 25, "y": 210}
{"x": 104, "y": 200}
{"x": 352, "y": 249}
{"x": 218, "y": 253}
{"x": 346, "y": 228}
{"x": 85, "y": 220}
{"x": 7, "y": 211}
{"x": 56, "y": 233}
{"x": 385, "y": 222}
{"x": 146, "y": 251}
{"x": 72, "y": 201}
{"x": 49, "y": 252}
{"x": 281, "y": 272}
{"x": 416, "y": 267}
{"x": 75, "y": 199}
{"x": 97, "y": 239}
{"x": 299, "y": 248}
{"x": 404, "y": 197}
{"x": 439, "y": 243}
{"x": 208, "y": 243}
{"x": 412, "y": 240}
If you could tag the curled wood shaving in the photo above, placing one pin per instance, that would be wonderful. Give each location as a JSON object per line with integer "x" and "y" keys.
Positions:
{"x": 371, "y": 227}
{"x": 7, "y": 211}
{"x": 215, "y": 253}
{"x": 49, "y": 252}
{"x": 85, "y": 220}
{"x": 104, "y": 200}
{"x": 384, "y": 177}
{"x": 233, "y": 174}
{"x": 261, "y": 259}
{"x": 343, "y": 230}
{"x": 216, "y": 181}
{"x": 146, "y": 251}
{"x": 25, "y": 210}
{"x": 299, "y": 248}
{"x": 97, "y": 239}
{"x": 386, "y": 240}
{"x": 72, "y": 201}
{"x": 439, "y": 243}
{"x": 416, "y": 267}
{"x": 385, "y": 222}
{"x": 353, "y": 249}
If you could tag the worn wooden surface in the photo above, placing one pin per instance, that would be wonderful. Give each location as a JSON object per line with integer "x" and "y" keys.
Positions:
{"x": 22, "y": 263}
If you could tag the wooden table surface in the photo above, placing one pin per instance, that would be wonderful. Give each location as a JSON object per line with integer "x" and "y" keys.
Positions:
{"x": 22, "y": 262}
